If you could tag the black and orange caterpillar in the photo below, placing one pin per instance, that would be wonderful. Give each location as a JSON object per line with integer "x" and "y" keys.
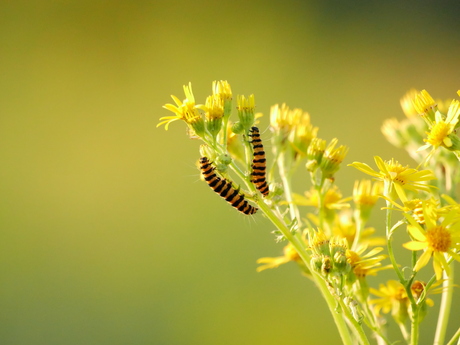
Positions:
{"x": 224, "y": 188}
{"x": 258, "y": 162}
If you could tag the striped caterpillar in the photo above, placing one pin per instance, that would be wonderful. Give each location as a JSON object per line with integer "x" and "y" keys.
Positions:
{"x": 224, "y": 188}
{"x": 258, "y": 163}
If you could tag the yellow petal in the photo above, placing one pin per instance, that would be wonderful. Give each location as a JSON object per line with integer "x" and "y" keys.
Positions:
{"x": 364, "y": 168}
{"x": 415, "y": 245}
{"x": 381, "y": 164}
{"x": 423, "y": 260}
{"x": 415, "y": 232}
{"x": 437, "y": 269}
{"x": 429, "y": 302}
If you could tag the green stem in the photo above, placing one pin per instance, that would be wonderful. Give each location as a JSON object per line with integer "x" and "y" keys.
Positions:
{"x": 286, "y": 180}
{"x": 404, "y": 332}
{"x": 390, "y": 245}
{"x": 300, "y": 248}
{"x": 356, "y": 326}
{"x": 415, "y": 322}
{"x": 359, "y": 230}
{"x": 444, "y": 310}
{"x": 454, "y": 338}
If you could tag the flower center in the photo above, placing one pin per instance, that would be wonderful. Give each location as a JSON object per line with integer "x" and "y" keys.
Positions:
{"x": 438, "y": 133}
{"x": 396, "y": 171}
{"x": 438, "y": 239}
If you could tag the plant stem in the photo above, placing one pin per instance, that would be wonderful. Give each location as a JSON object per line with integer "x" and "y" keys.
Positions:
{"x": 390, "y": 245}
{"x": 293, "y": 210}
{"x": 454, "y": 338}
{"x": 415, "y": 322}
{"x": 404, "y": 332}
{"x": 300, "y": 248}
{"x": 356, "y": 326}
{"x": 444, "y": 310}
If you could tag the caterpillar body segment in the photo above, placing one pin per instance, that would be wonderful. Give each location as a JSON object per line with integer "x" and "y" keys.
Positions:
{"x": 224, "y": 188}
{"x": 259, "y": 163}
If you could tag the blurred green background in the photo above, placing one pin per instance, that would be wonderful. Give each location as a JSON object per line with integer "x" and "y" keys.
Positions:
{"x": 107, "y": 235}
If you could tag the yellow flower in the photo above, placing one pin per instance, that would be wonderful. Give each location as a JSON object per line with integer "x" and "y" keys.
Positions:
{"x": 214, "y": 107}
{"x": 424, "y": 104}
{"x": 367, "y": 264}
{"x": 246, "y": 107}
{"x": 365, "y": 196}
{"x": 290, "y": 254}
{"x": 214, "y": 112}
{"x": 223, "y": 89}
{"x": 315, "y": 153}
{"x": 442, "y": 129}
{"x": 302, "y": 133}
{"x": 394, "y": 174}
{"x": 186, "y": 111}
{"x": 330, "y": 163}
{"x": 407, "y": 103}
{"x": 283, "y": 119}
{"x": 438, "y": 241}
{"x": 393, "y": 297}
{"x": 414, "y": 207}
{"x": 332, "y": 200}
{"x": 391, "y": 129}
{"x": 345, "y": 226}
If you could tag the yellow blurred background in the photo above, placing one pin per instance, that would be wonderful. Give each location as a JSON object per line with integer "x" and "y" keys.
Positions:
{"x": 107, "y": 234}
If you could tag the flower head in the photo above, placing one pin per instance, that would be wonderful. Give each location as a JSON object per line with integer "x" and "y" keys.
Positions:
{"x": 424, "y": 104}
{"x": 441, "y": 130}
{"x": 186, "y": 111}
{"x": 223, "y": 90}
{"x": 438, "y": 241}
{"x": 315, "y": 153}
{"x": 289, "y": 254}
{"x": 407, "y": 103}
{"x": 395, "y": 175}
{"x": 302, "y": 134}
{"x": 367, "y": 264}
{"x": 330, "y": 163}
{"x": 214, "y": 112}
{"x": 345, "y": 226}
{"x": 283, "y": 119}
{"x": 365, "y": 196}
{"x": 246, "y": 107}
{"x": 332, "y": 199}
{"x": 392, "y": 297}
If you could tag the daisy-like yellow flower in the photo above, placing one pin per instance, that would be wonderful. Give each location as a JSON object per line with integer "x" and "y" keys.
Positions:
{"x": 214, "y": 112}
{"x": 283, "y": 119}
{"x": 365, "y": 196}
{"x": 442, "y": 130}
{"x": 289, "y": 254}
{"x": 413, "y": 207}
{"x": 438, "y": 241}
{"x": 407, "y": 103}
{"x": 395, "y": 175}
{"x": 424, "y": 104}
{"x": 302, "y": 134}
{"x": 186, "y": 111}
{"x": 223, "y": 89}
{"x": 345, "y": 226}
{"x": 246, "y": 108}
{"x": 333, "y": 199}
{"x": 315, "y": 153}
{"x": 367, "y": 264}
{"x": 392, "y": 130}
{"x": 330, "y": 163}
{"x": 392, "y": 297}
